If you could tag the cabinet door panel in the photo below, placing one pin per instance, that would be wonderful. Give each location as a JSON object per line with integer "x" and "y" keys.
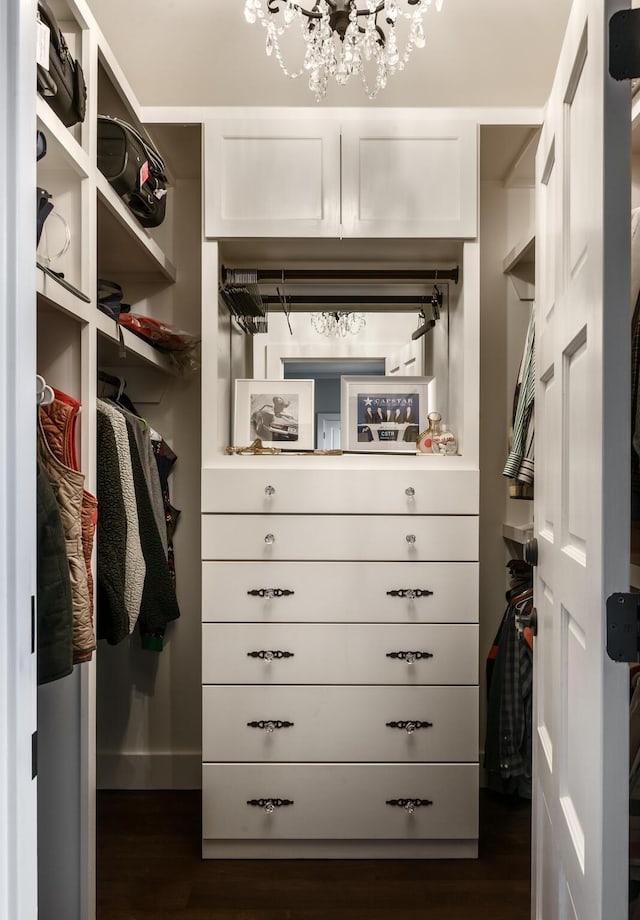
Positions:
{"x": 237, "y": 653}
{"x": 350, "y": 537}
{"x": 316, "y": 592}
{"x": 416, "y": 490}
{"x": 270, "y": 177}
{"x": 340, "y": 801}
{"x": 340, "y": 724}
{"x": 409, "y": 179}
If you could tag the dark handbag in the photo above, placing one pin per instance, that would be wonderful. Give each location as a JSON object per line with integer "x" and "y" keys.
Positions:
{"x": 62, "y": 85}
{"x": 43, "y": 209}
{"x": 134, "y": 168}
{"x": 110, "y": 299}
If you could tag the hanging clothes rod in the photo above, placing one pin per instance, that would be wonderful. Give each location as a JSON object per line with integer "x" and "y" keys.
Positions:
{"x": 344, "y": 274}
{"x": 348, "y": 299}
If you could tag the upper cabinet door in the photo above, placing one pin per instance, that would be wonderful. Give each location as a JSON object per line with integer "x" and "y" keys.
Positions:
{"x": 270, "y": 177}
{"x": 409, "y": 179}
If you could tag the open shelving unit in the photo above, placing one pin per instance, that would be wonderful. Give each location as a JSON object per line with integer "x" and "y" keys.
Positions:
{"x": 75, "y": 340}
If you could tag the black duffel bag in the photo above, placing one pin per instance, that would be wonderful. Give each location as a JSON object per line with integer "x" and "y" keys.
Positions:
{"x": 62, "y": 85}
{"x": 134, "y": 168}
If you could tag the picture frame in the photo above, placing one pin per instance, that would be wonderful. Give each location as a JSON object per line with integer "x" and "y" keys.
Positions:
{"x": 279, "y": 412}
{"x": 384, "y": 414}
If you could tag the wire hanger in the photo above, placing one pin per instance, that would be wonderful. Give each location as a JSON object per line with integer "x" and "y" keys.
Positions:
{"x": 118, "y": 382}
{"x": 286, "y": 306}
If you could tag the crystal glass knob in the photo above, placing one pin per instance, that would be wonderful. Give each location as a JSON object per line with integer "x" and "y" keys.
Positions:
{"x": 410, "y": 593}
{"x": 269, "y": 807}
{"x": 410, "y": 657}
{"x": 410, "y": 728}
{"x": 411, "y": 538}
{"x": 269, "y": 490}
{"x": 269, "y": 539}
{"x": 270, "y": 727}
{"x": 270, "y": 593}
{"x": 410, "y": 492}
{"x": 269, "y": 656}
{"x": 410, "y": 807}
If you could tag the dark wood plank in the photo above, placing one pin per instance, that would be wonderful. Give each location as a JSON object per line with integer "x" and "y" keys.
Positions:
{"x": 150, "y": 868}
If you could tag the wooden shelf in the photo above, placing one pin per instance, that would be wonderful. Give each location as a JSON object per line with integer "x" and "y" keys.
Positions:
{"x": 114, "y": 218}
{"x": 56, "y": 296}
{"x": 138, "y": 351}
{"x": 517, "y": 533}
{"x": 520, "y": 265}
{"x": 63, "y": 150}
{"x": 523, "y": 253}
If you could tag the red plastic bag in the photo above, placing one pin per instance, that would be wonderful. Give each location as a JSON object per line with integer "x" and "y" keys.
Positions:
{"x": 162, "y": 336}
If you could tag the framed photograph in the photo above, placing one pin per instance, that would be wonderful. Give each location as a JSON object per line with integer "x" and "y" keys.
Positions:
{"x": 279, "y": 412}
{"x": 384, "y": 413}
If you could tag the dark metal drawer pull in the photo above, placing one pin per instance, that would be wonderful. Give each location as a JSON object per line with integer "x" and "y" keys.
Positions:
{"x": 410, "y": 727}
{"x": 269, "y": 654}
{"x": 270, "y": 805}
{"x": 270, "y": 592}
{"x": 409, "y": 657}
{"x": 270, "y": 725}
{"x": 410, "y": 593}
{"x": 409, "y": 805}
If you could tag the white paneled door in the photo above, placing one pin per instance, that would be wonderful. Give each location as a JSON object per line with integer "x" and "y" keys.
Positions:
{"x": 581, "y": 713}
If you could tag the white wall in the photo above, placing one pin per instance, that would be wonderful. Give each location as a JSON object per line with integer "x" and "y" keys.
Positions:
{"x": 494, "y": 52}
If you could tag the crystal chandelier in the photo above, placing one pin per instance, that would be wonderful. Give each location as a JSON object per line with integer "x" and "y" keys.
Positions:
{"x": 342, "y": 39}
{"x": 338, "y": 323}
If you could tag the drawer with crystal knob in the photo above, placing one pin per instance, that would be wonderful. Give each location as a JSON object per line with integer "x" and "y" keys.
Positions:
{"x": 351, "y": 537}
{"x": 338, "y": 723}
{"x": 333, "y": 801}
{"x": 339, "y": 653}
{"x": 272, "y": 592}
{"x": 422, "y": 488}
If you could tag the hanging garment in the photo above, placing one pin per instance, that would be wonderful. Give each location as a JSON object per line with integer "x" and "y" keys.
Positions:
{"x": 509, "y": 704}
{"x": 142, "y": 435}
{"x": 55, "y": 605}
{"x": 165, "y": 459}
{"x": 68, "y": 487}
{"x": 134, "y": 558}
{"x": 112, "y": 614}
{"x": 159, "y": 605}
{"x": 520, "y": 462}
{"x": 60, "y": 420}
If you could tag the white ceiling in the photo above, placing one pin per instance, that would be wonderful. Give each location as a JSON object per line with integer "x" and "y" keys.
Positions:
{"x": 201, "y": 52}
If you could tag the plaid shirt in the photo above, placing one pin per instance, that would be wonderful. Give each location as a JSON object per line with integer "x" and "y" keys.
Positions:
{"x": 509, "y": 711}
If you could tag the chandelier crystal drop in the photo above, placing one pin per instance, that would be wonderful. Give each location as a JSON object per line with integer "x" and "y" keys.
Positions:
{"x": 342, "y": 38}
{"x": 338, "y": 323}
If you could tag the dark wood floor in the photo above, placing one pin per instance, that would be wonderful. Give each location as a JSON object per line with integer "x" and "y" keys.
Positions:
{"x": 149, "y": 868}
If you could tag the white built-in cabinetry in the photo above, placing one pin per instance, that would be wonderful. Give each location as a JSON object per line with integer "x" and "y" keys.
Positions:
{"x": 340, "y": 594}
{"x": 74, "y": 340}
{"x": 331, "y": 177}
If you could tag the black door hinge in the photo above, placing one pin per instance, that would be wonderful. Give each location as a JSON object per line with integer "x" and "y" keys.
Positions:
{"x": 623, "y": 627}
{"x": 624, "y": 45}
{"x": 34, "y": 755}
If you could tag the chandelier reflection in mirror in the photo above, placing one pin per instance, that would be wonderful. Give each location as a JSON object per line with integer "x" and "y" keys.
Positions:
{"x": 342, "y": 38}
{"x": 338, "y": 323}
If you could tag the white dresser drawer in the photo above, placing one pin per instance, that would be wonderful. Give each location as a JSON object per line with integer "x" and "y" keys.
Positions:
{"x": 350, "y": 537}
{"x": 317, "y": 724}
{"x": 416, "y": 490}
{"x": 337, "y": 801}
{"x": 340, "y": 591}
{"x": 345, "y": 653}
